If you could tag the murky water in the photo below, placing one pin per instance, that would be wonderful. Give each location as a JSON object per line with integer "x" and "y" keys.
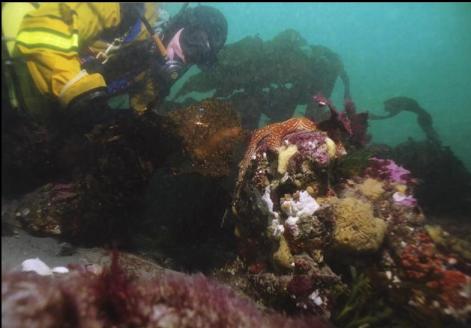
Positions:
{"x": 317, "y": 175}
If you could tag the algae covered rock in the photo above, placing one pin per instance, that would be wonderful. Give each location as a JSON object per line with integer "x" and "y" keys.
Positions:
{"x": 356, "y": 229}
{"x": 283, "y": 223}
{"x": 209, "y": 131}
{"x": 113, "y": 297}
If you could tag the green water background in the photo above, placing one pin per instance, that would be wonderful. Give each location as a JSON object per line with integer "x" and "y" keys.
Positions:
{"x": 419, "y": 50}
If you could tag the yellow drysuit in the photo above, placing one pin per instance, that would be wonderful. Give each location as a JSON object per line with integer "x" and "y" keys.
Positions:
{"x": 50, "y": 36}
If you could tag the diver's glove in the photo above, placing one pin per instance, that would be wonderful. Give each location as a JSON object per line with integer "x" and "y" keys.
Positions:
{"x": 89, "y": 109}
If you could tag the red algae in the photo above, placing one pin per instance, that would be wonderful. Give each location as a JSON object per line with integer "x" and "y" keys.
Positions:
{"x": 113, "y": 299}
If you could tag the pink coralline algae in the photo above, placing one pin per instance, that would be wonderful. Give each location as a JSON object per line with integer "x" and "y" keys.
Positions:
{"x": 112, "y": 299}
{"x": 404, "y": 200}
{"x": 388, "y": 170}
{"x": 310, "y": 144}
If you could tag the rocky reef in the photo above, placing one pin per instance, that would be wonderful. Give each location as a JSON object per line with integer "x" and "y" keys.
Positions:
{"x": 103, "y": 174}
{"x": 303, "y": 220}
{"x": 324, "y": 228}
{"x": 99, "y": 195}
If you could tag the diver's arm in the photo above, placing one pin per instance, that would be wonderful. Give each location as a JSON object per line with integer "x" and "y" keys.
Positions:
{"x": 49, "y": 38}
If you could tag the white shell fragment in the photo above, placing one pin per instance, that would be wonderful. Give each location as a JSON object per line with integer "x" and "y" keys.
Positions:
{"x": 37, "y": 266}
{"x": 60, "y": 270}
{"x": 41, "y": 268}
{"x": 316, "y": 298}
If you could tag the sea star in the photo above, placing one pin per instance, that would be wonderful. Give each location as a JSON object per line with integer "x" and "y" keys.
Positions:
{"x": 271, "y": 137}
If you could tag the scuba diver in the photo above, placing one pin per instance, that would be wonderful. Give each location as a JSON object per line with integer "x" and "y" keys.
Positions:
{"x": 62, "y": 63}
{"x": 396, "y": 105}
{"x": 82, "y": 54}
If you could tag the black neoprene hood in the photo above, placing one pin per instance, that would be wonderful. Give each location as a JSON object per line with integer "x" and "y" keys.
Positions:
{"x": 204, "y": 34}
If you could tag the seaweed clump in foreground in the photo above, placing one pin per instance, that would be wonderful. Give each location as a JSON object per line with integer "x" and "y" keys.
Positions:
{"x": 111, "y": 298}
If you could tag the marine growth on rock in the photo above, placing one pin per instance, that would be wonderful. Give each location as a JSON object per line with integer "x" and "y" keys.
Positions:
{"x": 302, "y": 223}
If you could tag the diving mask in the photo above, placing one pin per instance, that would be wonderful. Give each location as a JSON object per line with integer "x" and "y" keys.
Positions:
{"x": 172, "y": 64}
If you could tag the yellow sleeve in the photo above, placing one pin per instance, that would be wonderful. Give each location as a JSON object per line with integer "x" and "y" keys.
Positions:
{"x": 49, "y": 39}
{"x": 139, "y": 100}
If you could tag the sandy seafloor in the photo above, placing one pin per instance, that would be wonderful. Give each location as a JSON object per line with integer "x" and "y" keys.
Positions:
{"x": 19, "y": 245}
